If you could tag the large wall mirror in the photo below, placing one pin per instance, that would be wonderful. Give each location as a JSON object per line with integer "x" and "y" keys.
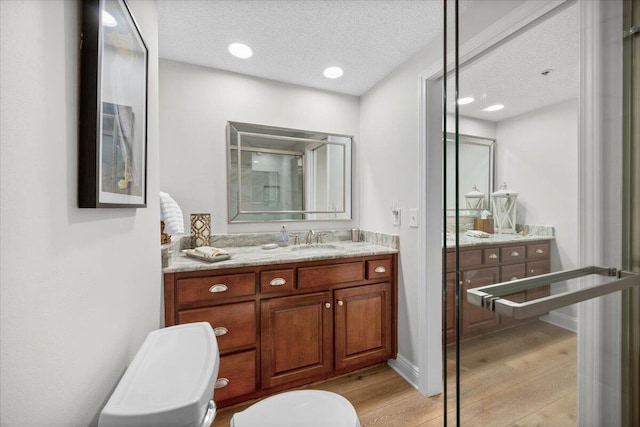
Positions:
{"x": 476, "y": 170}
{"x": 280, "y": 174}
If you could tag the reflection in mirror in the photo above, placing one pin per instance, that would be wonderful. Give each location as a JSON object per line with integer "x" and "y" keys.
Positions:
{"x": 279, "y": 174}
{"x": 476, "y": 170}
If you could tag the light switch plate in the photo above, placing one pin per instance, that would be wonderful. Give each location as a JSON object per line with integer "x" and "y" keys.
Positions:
{"x": 413, "y": 217}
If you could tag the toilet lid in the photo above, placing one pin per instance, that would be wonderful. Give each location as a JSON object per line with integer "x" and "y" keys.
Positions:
{"x": 308, "y": 408}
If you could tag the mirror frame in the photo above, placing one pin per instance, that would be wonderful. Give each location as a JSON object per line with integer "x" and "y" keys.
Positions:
{"x": 271, "y": 132}
{"x": 491, "y": 145}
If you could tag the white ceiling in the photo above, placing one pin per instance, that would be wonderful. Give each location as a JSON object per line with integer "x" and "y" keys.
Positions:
{"x": 294, "y": 40}
{"x": 511, "y": 75}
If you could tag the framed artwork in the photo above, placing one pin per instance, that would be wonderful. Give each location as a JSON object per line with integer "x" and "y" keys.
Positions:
{"x": 112, "y": 168}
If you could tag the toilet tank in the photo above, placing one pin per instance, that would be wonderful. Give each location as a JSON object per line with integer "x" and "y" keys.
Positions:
{"x": 169, "y": 382}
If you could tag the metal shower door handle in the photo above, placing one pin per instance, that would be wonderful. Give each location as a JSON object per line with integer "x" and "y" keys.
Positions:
{"x": 491, "y": 297}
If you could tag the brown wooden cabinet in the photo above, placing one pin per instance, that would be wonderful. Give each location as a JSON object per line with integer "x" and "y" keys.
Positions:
{"x": 487, "y": 264}
{"x": 362, "y": 325}
{"x": 297, "y": 338}
{"x": 284, "y": 325}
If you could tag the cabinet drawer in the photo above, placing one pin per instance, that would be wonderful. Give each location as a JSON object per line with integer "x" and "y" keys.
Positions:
{"x": 512, "y": 253}
{"x": 233, "y": 324}
{"x": 467, "y": 258}
{"x": 491, "y": 256}
{"x": 214, "y": 288}
{"x": 536, "y": 268}
{"x": 512, "y": 272}
{"x": 312, "y": 277}
{"x": 378, "y": 268}
{"x": 538, "y": 251}
{"x": 481, "y": 277}
{"x": 237, "y": 376}
{"x": 277, "y": 281}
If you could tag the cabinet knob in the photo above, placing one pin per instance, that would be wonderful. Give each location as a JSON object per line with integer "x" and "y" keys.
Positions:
{"x": 539, "y": 251}
{"x": 515, "y": 253}
{"x": 532, "y": 271}
{"x": 340, "y": 303}
{"x": 493, "y": 256}
{"x": 222, "y": 382}
{"x": 468, "y": 281}
{"x": 327, "y": 305}
{"x": 380, "y": 269}
{"x": 217, "y": 288}
{"x": 514, "y": 278}
{"x": 278, "y": 281}
{"x": 220, "y": 331}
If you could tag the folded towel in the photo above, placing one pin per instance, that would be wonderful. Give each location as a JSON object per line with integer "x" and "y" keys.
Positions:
{"x": 210, "y": 251}
{"x": 171, "y": 214}
{"x": 207, "y": 253}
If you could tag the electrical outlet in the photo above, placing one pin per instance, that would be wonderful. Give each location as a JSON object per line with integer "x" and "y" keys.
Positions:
{"x": 413, "y": 217}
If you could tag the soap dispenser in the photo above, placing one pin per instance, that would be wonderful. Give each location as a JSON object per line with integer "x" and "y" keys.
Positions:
{"x": 283, "y": 238}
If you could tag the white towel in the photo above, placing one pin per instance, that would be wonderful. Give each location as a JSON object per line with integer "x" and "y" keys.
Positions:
{"x": 171, "y": 214}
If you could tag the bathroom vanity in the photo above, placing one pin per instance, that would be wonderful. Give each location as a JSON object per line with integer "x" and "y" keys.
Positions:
{"x": 287, "y": 317}
{"x": 501, "y": 259}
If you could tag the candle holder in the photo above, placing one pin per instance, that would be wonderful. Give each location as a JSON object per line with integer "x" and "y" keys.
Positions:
{"x": 200, "y": 229}
{"x": 504, "y": 203}
{"x": 475, "y": 199}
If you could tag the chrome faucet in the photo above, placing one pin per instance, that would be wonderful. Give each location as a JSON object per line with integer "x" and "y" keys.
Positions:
{"x": 310, "y": 237}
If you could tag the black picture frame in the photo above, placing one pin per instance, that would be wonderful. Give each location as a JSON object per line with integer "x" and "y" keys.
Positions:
{"x": 112, "y": 153}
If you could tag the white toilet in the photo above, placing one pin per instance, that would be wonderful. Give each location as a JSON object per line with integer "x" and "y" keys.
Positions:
{"x": 171, "y": 380}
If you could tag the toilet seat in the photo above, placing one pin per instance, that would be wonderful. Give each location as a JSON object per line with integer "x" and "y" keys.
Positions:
{"x": 308, "y": 408}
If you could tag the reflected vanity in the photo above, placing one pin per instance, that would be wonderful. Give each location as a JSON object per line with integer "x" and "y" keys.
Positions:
{"x": 280, "y": 174}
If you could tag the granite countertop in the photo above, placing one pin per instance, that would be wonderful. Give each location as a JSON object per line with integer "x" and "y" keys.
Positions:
{"x": 495, "y": 239}
{"x": 246, "y": 256}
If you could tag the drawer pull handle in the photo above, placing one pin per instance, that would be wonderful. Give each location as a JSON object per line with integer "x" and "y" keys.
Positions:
{"x": 515, "y": 253}
{"x": 493, "y": 256}
{"x": 327, "y": 305}
{"x": 220, "y": 331}
{"x": 217, "y": 288}
{"x": 222, "y": 382}
{"x": 340, "y": 303}
{"x": 278, "y": 281}
{"x": 380, "y": 269}
{"x": 539, "y": 251}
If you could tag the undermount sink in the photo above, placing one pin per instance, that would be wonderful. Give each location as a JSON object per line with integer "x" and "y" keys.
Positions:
{"x": 320, "y": 247}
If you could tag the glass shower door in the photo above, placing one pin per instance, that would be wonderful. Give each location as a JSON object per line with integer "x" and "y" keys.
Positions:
{"x": 538, "y": 278}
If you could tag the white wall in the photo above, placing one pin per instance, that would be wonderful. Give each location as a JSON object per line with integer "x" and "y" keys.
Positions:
{"x": 388, "y": 162}
{"x": 80, "y": 288}
{"x": 195, "y": 105}
{"x": 537, "y": 156}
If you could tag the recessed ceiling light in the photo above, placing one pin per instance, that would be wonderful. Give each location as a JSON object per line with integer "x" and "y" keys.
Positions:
{"x": 108, "y": 20}
{"x": 467, "y": 100}
{"x": 240, "y": 50}
{"x": 333, "y": 72}
{"x": 494, "y": 107}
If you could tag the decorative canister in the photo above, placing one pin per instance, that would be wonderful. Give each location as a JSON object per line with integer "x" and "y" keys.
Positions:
{"x": 200, "y": 229}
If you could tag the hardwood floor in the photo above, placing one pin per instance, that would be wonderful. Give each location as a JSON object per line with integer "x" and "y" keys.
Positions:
{"x": 523, "y": 376}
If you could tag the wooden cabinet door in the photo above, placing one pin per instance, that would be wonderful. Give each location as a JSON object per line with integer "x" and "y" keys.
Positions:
{"x": 297, "y": 338}
{"x": 362, "y": 325}
{"x": 475, "y": 319}
{"x": 451, "y": 307}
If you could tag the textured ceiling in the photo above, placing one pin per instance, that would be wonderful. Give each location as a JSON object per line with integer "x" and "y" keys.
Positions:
{"x": 293, "y": 41}
{"x": 511, "y": 75}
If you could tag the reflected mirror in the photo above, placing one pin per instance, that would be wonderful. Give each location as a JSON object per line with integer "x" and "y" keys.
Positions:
{"x": 476, "y": 170}
{"x": 280, "y": 174}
